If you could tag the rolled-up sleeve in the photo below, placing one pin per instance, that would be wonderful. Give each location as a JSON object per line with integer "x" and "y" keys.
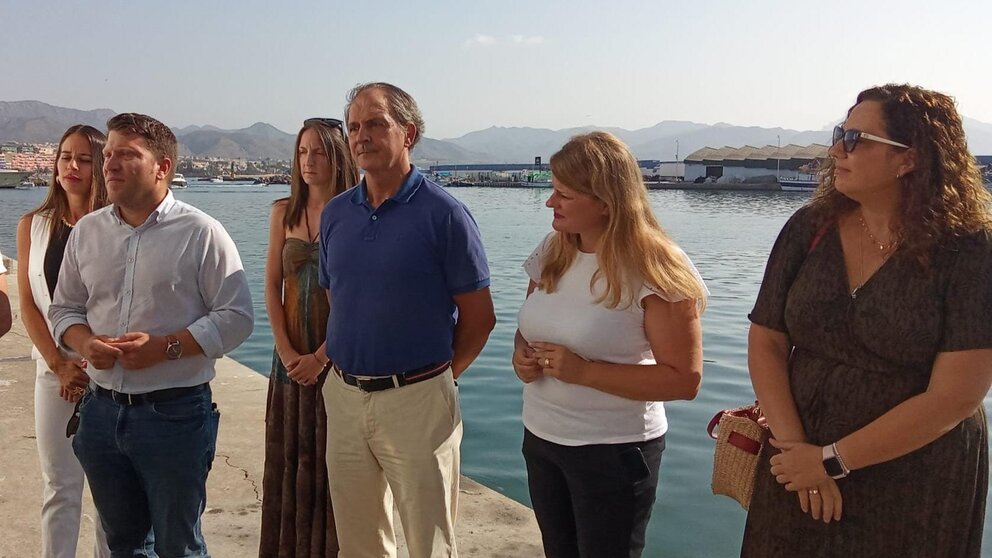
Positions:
{"x": 224, "y": 287}
{"x": 68, "y": 306}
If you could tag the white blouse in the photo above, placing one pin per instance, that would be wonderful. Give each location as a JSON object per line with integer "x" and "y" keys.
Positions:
{"x": 574, "y": 415}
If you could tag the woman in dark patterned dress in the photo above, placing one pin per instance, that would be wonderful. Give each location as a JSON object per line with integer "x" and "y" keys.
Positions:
{"x": 297, "y": 520}
{"x": 871, "y": 345}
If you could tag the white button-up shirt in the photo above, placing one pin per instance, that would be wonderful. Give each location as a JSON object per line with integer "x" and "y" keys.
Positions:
{"x": 177, "y": 270}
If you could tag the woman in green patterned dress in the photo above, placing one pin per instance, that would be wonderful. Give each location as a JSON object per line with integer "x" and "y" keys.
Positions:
{"x": 297, "y": 520}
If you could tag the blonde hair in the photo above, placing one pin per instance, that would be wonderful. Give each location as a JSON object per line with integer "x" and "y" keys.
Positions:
{"x": 634, "y": 247}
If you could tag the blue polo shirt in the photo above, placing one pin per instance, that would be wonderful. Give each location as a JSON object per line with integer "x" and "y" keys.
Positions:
{"x": 392, "y": 272}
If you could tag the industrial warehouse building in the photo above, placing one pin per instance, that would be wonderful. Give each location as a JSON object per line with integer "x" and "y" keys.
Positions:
{"x": 734, "y": 164}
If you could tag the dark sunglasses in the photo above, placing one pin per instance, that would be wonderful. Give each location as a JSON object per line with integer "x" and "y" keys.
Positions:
{"x": 851, "y": 138}
{"x": 73, "y": 425}
{"x": 332, "y": 122}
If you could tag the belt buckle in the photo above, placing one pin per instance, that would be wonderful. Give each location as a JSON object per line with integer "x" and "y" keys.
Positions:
{"x": 360, "y": 383}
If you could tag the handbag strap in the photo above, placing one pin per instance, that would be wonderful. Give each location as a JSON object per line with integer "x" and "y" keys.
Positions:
{"x": 752, "y": 412}
{"x": 818, "y": 237}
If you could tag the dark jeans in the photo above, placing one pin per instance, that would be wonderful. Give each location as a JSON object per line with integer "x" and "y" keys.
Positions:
{"x": 592, "y": 501}
{"x": 147, "y": 469}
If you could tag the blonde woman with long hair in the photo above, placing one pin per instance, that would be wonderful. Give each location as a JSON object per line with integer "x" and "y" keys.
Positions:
{"x": 609, "y": 330}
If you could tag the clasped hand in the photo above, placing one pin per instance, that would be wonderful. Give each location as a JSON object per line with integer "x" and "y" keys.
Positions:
{"x": 799, "y": 468}
{"x": 72, "y": 376}
{"x": 134, "y": 350}
{"x": 303, "y": 369}
{"x": 558, "y": 361}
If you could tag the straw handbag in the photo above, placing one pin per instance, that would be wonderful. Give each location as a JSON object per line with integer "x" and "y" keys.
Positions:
{"x": 741, "y": 435}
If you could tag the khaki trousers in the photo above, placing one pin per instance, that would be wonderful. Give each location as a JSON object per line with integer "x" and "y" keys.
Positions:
{"x": 401, "y": 443}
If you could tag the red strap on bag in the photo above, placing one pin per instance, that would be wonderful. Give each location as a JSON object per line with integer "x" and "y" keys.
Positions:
{"x": 744, "y": 443}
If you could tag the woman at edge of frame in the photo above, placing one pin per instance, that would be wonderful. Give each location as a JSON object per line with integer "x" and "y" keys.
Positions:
{"x": 77, "y": 188}
{"x": 870, "y": 348}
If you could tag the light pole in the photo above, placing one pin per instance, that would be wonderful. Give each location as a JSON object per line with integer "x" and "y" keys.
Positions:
{"x": 778, "y": 157}
{"x": 676, "y": 150}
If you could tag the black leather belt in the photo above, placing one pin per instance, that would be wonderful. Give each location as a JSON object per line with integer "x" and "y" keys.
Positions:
{"x": 379, "y": 383}
{"x": 151, "y": 397}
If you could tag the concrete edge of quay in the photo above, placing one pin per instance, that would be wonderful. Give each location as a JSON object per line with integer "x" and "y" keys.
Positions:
{"x": 489, "y": 524}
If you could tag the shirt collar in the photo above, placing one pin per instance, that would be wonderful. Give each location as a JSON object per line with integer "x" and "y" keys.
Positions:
{"x": 409, "y": 187}
{"x": 157, "y": 214}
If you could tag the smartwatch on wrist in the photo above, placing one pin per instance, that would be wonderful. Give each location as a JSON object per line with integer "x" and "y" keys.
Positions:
{"x": 833, "y": 463}
{"x": 174, "y": 349}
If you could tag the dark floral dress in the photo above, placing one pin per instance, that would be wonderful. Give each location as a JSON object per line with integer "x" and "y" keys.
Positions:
{"x": 855, "y": 358}
{"x": 297, "y": 520}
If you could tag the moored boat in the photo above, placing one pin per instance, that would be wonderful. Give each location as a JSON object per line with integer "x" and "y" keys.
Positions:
{"x": 178, "y": 182}
{"x": 12, "y": 178}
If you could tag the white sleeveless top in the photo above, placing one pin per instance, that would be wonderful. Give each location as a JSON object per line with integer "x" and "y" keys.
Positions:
{"x": 572, "y": 414}
{"x": 41, "y": 233}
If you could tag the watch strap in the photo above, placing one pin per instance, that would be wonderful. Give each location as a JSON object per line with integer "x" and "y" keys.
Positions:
{"x": 833, "y": 463}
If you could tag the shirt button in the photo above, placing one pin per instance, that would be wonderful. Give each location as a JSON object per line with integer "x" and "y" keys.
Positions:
{"x": 129, "y": 260}
{"x": 375, "y": 217}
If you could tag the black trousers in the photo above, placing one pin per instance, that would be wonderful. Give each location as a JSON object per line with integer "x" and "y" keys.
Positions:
{"x": 592, "y": 501}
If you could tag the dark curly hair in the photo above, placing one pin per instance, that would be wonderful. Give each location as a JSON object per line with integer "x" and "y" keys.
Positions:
{"x": 943, "y": 197}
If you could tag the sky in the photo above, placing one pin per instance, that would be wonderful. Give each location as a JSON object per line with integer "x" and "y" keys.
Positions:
{"x": 472, "y": 64}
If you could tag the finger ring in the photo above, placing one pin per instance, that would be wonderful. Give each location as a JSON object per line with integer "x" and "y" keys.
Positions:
{"x": 547, "y": 362}
{"x": 814, "y": 492}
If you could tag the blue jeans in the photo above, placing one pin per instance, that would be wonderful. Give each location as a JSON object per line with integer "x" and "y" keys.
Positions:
{"x": 147, "y": 468}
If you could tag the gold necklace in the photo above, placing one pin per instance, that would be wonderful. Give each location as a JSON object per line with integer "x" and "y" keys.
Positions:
{"x": 861, "y": 266}
{"x": 882, "y": 247}
{"x": 861, "y": 256}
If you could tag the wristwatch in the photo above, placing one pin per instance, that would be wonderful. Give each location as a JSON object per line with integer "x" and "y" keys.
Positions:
{"x": 174, "y": 349}
{"x": 833, "y": 463}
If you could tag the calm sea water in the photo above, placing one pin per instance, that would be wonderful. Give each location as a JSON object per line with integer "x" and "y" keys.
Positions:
{"x": 728, "y": 236}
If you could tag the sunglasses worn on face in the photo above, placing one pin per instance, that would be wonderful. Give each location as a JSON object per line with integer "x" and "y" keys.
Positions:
{"x": 851, "y": 138}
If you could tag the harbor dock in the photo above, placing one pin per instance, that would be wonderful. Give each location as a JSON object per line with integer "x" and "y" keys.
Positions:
{"x": 489, "y": 524}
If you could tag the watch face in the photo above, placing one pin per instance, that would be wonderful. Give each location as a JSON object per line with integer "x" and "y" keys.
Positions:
{"x": 174, "y": 350}
{"x": 833, "y": 467}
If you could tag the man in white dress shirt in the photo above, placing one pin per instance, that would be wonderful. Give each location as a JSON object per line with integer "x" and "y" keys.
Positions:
{"x": 151, "y": 292}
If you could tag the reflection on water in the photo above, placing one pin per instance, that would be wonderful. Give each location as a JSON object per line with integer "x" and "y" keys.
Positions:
{"x": 727, "y": 235}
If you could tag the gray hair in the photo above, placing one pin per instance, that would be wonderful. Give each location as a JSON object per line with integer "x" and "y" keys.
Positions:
{"x": 402, "y": 107}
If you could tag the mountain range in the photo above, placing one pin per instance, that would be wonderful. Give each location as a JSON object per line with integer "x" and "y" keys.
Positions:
{"x": 34, "y": 121}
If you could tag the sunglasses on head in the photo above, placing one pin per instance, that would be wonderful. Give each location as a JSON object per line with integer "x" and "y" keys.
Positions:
{"x": 851, "y": 138}
{"x": 332, "y": 122}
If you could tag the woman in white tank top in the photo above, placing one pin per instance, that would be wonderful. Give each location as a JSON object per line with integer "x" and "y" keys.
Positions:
{"x": 77, "y": 188}
{"x": 610, "y": 329}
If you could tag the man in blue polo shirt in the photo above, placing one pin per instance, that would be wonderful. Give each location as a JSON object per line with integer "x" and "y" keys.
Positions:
{"x": 408, "y": 282}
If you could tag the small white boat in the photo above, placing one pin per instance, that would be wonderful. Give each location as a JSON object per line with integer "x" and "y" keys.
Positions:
{"x": 217, "y": 180}
{"x": 178, "y": 182}
{"x": 25, "y": 185}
